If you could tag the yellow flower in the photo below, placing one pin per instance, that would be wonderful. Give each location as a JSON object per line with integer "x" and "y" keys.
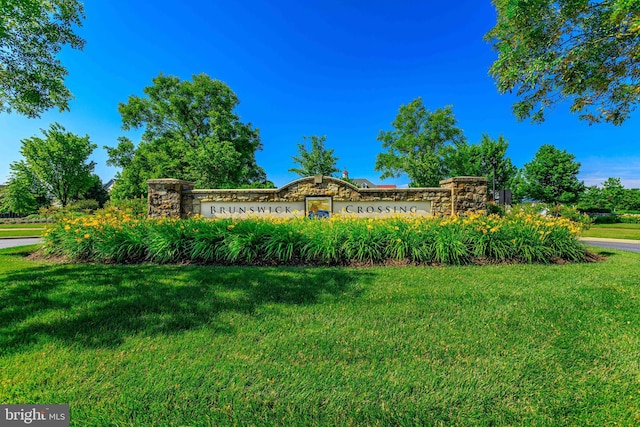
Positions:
{"x": 67, "y": 227}
{"x": 369, "y": 226}
{"x": 87, "y": 235}
{"x": 399, "y": 240}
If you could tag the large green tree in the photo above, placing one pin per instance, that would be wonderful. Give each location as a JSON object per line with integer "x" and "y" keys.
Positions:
{"x": 59, "y": 161}
{"x": 32, "y": 33}
{"x": 24, "y": 193}
{"x": 488, "y": 159}
{"x": 317, "y": 160}
{"x": 552, "y": 176}
{"x": 190, "y": 132}
{"x": 583, "y": 51}
{"x": 415, "y": 145}
{"x": 613, "y": 192}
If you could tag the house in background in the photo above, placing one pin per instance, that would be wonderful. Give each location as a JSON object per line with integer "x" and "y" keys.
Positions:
{"x": 109, "y": 185}
{"x": 365, "y": 183}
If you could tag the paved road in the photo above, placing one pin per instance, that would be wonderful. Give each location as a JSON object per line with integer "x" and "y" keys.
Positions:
{"x": 625, "y": 245}
{"x": 21, "y": 241}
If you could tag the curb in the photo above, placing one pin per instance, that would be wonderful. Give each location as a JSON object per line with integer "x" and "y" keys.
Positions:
{"x": 20, "y": 237}
{"x": 602, "y": 239}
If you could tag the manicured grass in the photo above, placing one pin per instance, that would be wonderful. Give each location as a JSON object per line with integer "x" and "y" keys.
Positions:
{"x": 149, "y": 345}
{"x": 39, "y": 226}
{"x": 20, "y": 233}
{"x": 614, "y": 231}
{"x": 21, "y": 230}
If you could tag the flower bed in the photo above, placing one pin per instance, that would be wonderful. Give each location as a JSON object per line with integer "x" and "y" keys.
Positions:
{"x": 113, "y": 236}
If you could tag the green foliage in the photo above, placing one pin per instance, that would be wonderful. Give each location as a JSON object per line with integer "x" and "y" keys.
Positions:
{"x": 552, "y": 176}
{"x": 85, "y": 205}
{"x": 481, "y": 159}
{"x": 582, "y": 51}
{"x": 190, "y": 132}
{"x": 32, "y": 33}
{"x": 137, "y": 207}
{"x": 612, "y": 197}
{"x": 117, "y": 236}
{"x": 415, "y": 145}
{"x": 96, "y": 191}
{"x": 613, "y": 192}
{"x": 59, "y": 162}
{"x": 317, "y": 160}
{"x": 24, "y": 194}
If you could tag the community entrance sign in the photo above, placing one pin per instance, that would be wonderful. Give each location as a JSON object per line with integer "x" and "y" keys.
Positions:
{"x": 316, "y": 197}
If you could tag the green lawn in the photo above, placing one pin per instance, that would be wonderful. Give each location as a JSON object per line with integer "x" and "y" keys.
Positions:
{"x": 614, "y": 231}
{"x": 147, "y": 345}
{"x": 39, "y": 226}
{"x": 21, "y": 230}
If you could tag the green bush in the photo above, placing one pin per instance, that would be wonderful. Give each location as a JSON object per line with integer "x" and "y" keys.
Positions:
{"x": 115, "y": 236}
{"x": 86, "y": 206}
{"x": 606, "y": 219}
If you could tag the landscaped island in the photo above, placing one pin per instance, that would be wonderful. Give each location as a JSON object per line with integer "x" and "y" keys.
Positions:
{"x": 113, "y": 236}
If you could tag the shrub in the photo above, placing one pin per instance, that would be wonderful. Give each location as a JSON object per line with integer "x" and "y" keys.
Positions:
{"x": 86, "y": 206}
{"x": 606, "y": 219}
{"x": 112, "y": 235}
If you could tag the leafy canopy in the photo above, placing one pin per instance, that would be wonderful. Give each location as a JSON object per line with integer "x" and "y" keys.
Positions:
{"x": 481, "y": 159}
{"x": 316, "y": 161}
{"x": 59, "y": 162}
{"x": 584, "y": 51}
{"x": 190, "y": 132}
{"x": 24, "y": 193}
{"x": 552, "y": 176}
{"x": 32, "y": 33}
{"x": 415, "y": 145}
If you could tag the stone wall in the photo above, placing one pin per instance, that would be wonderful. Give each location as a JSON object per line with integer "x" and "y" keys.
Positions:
{"x": 167, "y": 198}
{"x": 173, "y": 197}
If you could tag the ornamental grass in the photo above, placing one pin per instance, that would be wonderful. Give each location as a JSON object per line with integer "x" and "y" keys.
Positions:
{"x": 113, "y": 236}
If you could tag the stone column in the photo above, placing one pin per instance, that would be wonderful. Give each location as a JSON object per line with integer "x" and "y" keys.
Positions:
{"x": 468, "y": 193}
{"x": 169, "y": 198}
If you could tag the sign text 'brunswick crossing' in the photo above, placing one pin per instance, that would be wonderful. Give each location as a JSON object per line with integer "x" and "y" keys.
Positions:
{"x": 316, "y": 197}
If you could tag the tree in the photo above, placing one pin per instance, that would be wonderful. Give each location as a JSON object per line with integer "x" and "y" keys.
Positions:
{"x": 59, "y": 162}
{"x": 592, "y": 199}
{"x": 32, "y": 33}
{"x": 316, "y": 161}
{"x": 96, "y": 191}
{"x": 584, "y": 51}
{"x": 552, "y": 176}
{"x": 631, "y": 199}
{"x": 190, "y": 132}
{"x": 415, "y": 145}
{"x": 488, "y": 159}
{"x": 24, "y": 194}
{"x": 613, "y": 192}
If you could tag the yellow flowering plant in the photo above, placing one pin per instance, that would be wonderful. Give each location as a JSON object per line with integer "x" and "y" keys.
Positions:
{"x": 119, "y": 236}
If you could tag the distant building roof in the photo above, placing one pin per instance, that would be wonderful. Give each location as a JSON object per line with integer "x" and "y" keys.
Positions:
{"x": 364, "y": 183}
{"x": 109, "y": 185}
{"x": 387, "y": 186}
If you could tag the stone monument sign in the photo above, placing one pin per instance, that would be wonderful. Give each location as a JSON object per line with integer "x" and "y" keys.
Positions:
{"x": 316, "y": 197}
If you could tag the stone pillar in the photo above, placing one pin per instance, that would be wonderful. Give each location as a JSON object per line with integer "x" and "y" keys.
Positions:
{"x": 169, "y": 198}
{"x": 468, "y": 193}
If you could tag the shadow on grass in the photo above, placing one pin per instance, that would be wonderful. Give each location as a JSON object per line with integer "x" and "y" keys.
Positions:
{"x": 98, "y": 306}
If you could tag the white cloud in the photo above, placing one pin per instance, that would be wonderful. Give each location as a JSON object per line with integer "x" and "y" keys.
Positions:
{"x": 596, "y": 170}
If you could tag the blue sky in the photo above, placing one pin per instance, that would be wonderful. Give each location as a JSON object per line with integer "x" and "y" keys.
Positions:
{"x": 335, "y": 68}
